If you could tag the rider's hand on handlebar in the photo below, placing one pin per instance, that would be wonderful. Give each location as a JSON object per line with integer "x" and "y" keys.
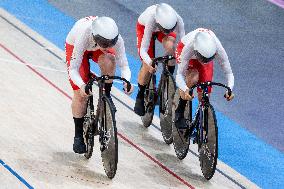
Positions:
{"x": 83, "y": 92}
{"x": 185, "y": 95}
{"x": 229, "y": 97}
{"x": 125, "y": 89}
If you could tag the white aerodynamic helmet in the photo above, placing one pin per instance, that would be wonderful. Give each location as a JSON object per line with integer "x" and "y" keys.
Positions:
{"x": 166, "y": 17}
{"x": 105, "y": 32}
{"x": 205, "y": 47}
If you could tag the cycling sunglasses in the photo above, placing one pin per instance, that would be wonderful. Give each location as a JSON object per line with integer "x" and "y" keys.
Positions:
{"x": 203, "y": 59}
{"x": 103, "y": 42}
{"x": 166, "y": 31}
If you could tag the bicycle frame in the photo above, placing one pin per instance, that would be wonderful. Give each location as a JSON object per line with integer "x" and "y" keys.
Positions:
{"x": 201, "y": 115}
{"x": 164, "y": 60}
{"x": 100, "y": 108}
{"x": 94, "y": 127}
{"x": 200, "y": 119}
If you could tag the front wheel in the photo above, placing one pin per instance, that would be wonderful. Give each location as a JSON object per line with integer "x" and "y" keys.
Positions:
{"x": 108, "y": 138}
{"x": 168, "y": 88}
{"x": 88, "y": 132}
{"x": 180, "y": 138}
{"x": 149, "y": 103}
{"x": 208, "y": 152}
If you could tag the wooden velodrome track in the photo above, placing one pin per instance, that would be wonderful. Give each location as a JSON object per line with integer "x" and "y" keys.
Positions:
{"x": 36, "y": 132}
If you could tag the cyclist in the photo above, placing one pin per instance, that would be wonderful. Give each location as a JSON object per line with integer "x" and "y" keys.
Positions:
{"x": 162, "y": 21}
{"x": 95, "y": 38}
{"x": 195, "y": 53}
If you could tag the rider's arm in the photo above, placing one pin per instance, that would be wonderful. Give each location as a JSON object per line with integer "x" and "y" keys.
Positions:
{"x": 223, "y": 60}
{"x": 186, "y": 54}
{"x": 149, "y": 28}
{"x": 180, "y": 26}
{"x": 121, "y": 59}
{"x": 76, "y": 59}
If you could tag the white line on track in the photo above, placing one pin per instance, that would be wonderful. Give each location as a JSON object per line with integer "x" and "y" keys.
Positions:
{"x": 44, "y": 68}
{"x": 32, "y": 65}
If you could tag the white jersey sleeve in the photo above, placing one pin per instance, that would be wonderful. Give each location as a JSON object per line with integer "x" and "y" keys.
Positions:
{"x": 186, "y": 54}
{"x": 149, "y": 28}
{"x": 223, "y": 60}
{"x": 77, "y": 56}
{"x": 180, "y": 26}
{"x": 121, "y": 59}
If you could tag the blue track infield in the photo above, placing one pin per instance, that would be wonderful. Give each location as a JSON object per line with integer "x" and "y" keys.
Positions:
{"x": 243, "y": 151}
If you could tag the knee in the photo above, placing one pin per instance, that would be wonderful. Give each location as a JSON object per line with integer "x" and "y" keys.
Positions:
{"x": 169, "y": 45}
{"x": 195, "y": 78}
{"x": 144, "y": 74}
{"x": 78, "y": 98}
{"x": 192, "y": 78}
{"x": 107, "y": 64}
{"x": 106, "y": 59}
{"x": 109, "y": 59}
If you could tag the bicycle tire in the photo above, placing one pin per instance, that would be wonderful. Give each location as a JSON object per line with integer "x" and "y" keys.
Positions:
{"x": 180, "y": 141}
{"x": 149, "y": 104}
{"x": 108, "y": 126}
{"x": 208, "y": 153}
{"x": 168, "y": 89}
{"x": 87, "y": 132}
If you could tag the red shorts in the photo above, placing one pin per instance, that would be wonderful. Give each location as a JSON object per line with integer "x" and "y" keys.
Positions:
{"x": 160, "y": 36}
{"x": 84, "y": 69}
{"x": 205, "y": 70}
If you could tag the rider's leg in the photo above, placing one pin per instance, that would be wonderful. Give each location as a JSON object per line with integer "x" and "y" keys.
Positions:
{"x": 144, "y": 74}
{"x": 143, "y": 80}
{"x": 169, "y": 46}
{"x": 191, "y": 78}
{"x": 79, "y": 103}
{"x": 107, "y": 65}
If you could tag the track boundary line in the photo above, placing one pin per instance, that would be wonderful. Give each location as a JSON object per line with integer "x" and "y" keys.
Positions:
{"x": 161, "y": 165}
{"x": 15, "y": 174}
{"x": 126, "y": 105}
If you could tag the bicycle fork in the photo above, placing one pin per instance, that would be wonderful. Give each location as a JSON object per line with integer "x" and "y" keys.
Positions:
{"x": 104, "y": 134}
{"x": 203, "y": 126}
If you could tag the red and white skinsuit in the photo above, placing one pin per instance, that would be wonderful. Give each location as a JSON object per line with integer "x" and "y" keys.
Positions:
{"x": 146, "y": 28}
{"x": 186, "y": 60}
{"x": 80, "y": 47}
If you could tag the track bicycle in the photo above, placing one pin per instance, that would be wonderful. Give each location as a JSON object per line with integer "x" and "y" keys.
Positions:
{"x": 202, "y": 129}
{"x": 163, "y": 95}
{"x": 102, "y": 123}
